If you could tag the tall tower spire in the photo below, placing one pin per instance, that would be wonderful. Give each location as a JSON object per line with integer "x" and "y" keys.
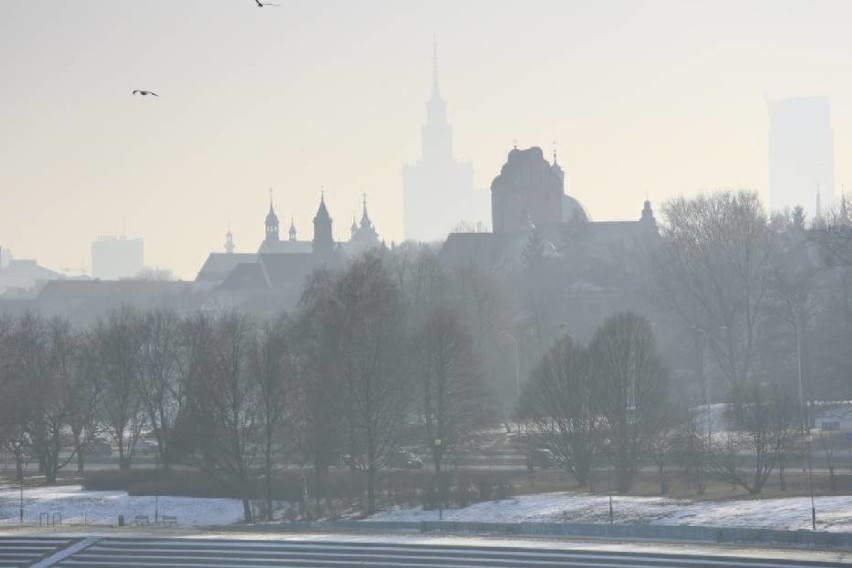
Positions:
{"x": 435, "y": 86}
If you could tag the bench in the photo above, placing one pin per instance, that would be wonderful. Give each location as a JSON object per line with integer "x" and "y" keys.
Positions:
{"x": 168, "y": 520}
{"x": 141, "y": 521}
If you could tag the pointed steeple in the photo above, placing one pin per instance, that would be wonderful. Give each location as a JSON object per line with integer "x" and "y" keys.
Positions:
{"x": 365, "y": 217}
{"x": 229, "y": 242}
{"x": 365, "y": 235}
{"x": 437, "y": 136}
{"x": 271, "y": 222}
{"x": 292, "y": 231}
{"x": 354, "y": 228}
{"x": 323, "y": 241}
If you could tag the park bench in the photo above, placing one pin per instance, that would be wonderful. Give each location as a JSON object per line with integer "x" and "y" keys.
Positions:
{"x": 141, "y": 521}
{"x": 168, "y": 520}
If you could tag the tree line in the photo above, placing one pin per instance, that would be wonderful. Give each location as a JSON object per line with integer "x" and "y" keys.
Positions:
{"x": 399, "y": 345}
{"x": 340, "y": 381}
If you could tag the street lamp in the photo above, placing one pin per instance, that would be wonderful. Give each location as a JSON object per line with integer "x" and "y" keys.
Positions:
{"x": 157, "y": 486}
{"x": 21, "y": 481}
{"x": 811, "y": 483}
{"x": 517, "y": 364}
{"x": 440, "y": 493}
{"x": 609, "y": 468}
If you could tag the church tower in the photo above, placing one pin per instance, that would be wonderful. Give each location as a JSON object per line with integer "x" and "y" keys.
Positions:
{"x": 271, "y": 224}
{"x": 292, "y": 231}
{"x": 323, "y": 241}
{"x": 229, "y": 242}
{"x": 437, "y": 190}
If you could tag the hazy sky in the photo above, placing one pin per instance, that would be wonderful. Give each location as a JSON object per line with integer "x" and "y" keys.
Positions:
{"x": 642, "y": 97}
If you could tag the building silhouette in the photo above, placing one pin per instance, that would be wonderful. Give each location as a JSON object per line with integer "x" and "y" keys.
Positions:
{"x": 115, "y": 257}
{"x": 801, "y": 154}
{"x": 438, "y": 189}
{"x": 273, "y": 276}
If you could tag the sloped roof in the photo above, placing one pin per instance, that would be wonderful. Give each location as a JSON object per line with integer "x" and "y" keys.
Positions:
{"x": 113, "y": 289}
{"x": 282, "y": 270}
{"x": 218, "y": 265}
{"x": 245, "y": 276}
{"x": 286, "y": 247}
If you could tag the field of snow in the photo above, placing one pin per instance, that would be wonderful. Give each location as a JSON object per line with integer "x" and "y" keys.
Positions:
{"x": 77, "y": 506}
{"x": 833, "y": 513}
{"x": 103, "y": 507}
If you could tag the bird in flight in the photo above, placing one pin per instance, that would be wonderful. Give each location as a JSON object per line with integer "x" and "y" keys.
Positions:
{"x": 145, "y": 93}
{"x": 262, "y": 4}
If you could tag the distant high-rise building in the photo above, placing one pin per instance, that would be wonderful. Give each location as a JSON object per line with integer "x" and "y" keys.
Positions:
{"x": 801, "y": 154}
{"x": 116, "y": 257}
{"x": 437, "y": 190}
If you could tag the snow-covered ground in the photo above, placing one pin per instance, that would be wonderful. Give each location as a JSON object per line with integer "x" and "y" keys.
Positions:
{"x": 77, "y": 506}
{"x": 833, "y": 513}
{"x": 103, "y": 507}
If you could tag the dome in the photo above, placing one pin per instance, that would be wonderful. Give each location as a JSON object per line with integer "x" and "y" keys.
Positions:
{"x": 572, "y": 210}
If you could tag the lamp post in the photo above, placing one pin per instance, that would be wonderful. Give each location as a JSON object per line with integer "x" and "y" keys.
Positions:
{"x": 517, "y": 364}
{"x": 157, "y": 486}
{"x": 21, "y": 481}
{"x": 811, "y": 484}
{"x": 609, "y": 468}
{"x": 438, "y": 474}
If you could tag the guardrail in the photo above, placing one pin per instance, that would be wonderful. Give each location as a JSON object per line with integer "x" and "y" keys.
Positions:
{"x": 719, "y": 535}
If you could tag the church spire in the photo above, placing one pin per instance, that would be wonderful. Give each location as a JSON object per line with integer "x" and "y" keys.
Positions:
{"x": 365, "y": 217}
{"x": 323, "y": 241}
{"x": 229, "y": 241}
{"x": 271, "y": 222}
{"x": 292, "y": 232}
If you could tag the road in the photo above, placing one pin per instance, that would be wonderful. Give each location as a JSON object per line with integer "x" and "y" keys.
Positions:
{"x": 307, "y": 552}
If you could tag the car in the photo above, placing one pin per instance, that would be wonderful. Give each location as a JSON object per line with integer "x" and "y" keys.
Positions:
{"x": 404, "y": 460}
{"x": 99, "y": 448}
{"x": 541, "y": 458}
{"x": 145, "y": 446}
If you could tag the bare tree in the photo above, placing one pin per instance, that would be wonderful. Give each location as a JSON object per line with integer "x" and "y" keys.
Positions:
{"x": 369, "y": 316}
{"x": 631, "y": 383}
{"x": 319, "y": 397}
{"x": 712, "y": 272}
{"x": 691, "y": 449}
{"x": 44, "y": 360}
{"x": 558, "y": 406}
{"x": 757, "y": 439}
{"x": 118, "y": 359}
{"x": 223, "y": 430}
{"x": 452, "y": 399}
{"x": 83, "y": 398}
{"x": 160, "y": 382}
{"x": 272, "y": 368}
{"x": 12, "y": 392}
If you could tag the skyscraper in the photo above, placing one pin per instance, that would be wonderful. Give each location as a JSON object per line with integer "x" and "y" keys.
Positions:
{"x": 115, "y": 257}
{"x": 437, "y": 190}
{"x": 801, "y": 154}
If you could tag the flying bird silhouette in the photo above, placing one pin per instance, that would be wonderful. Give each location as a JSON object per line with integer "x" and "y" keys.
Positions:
{"x": 262, "y": 4}
{"x": 144, "y": 93}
